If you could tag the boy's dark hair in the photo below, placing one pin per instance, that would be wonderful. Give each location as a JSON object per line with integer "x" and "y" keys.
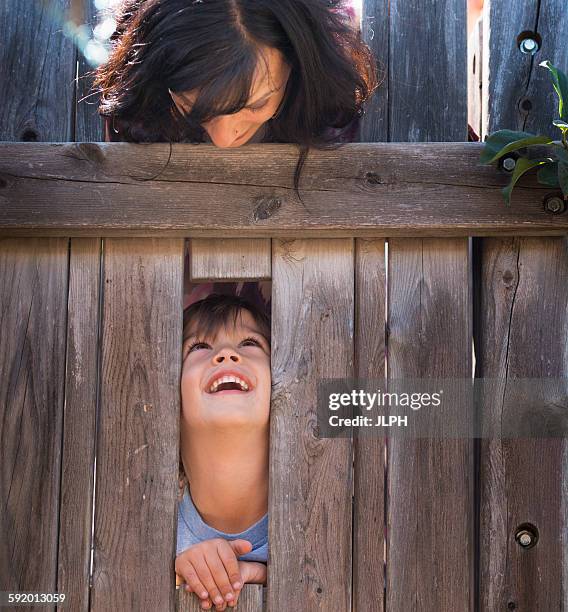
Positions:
{"x": 217, "y": 310}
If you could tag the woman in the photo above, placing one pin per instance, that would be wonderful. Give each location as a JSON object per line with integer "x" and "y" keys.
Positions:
{"x": 233, "y": 72}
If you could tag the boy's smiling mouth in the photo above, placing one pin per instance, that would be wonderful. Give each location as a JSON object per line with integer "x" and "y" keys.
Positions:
{"x": 228, "y": 381}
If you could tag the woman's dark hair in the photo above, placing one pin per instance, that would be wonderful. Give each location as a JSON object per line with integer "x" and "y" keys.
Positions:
{"x": 217, "y": 310}
{"x": 213, "y": 46}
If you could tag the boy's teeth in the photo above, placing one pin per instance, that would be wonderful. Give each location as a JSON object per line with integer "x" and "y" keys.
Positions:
{"x": 225, "y": 379}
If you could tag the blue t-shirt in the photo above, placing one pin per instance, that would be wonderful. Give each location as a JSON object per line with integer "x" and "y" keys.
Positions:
{"x": 193, "y": 529}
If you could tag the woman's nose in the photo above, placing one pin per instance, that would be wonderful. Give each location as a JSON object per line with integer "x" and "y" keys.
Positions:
{"x": 226, "y": 355}
{"x": 224, "y": 130}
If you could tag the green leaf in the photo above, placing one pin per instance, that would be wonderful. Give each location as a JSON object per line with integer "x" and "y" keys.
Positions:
{"x": 563, "y": 178}
{"x": 523, "y": 165}
{"x": 561, "y": 153}
{"x": 504, "y": 141}
{"x": 560, "y": 82}
{"x": 548, "y": 174}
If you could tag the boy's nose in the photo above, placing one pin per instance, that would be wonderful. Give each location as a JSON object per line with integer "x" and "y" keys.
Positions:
{"x": 227, "y": 354}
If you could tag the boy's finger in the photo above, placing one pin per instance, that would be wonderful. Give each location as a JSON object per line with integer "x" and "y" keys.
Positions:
{"x": 231, "y": 564}
{"x": 206, "y": 577}
{"x": 241, "y": 547}
{"x": 221, "y": 578}
{"x": 193, "y": 577}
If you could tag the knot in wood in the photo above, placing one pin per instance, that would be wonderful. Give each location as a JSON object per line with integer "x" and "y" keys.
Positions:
{"x": 265, "y": 207}
{"x": 373, "y": 178}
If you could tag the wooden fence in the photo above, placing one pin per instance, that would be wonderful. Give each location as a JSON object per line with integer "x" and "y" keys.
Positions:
{"x": 91, "y": 276}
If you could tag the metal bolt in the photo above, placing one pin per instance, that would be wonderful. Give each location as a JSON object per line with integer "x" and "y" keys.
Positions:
{"x": 528, "y": 46}
{"x": 555, "y": 205}
{"x": 526, "y": 535}
{"x": 509, "y": 164}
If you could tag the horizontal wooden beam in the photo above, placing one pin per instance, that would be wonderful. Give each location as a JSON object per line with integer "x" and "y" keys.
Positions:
{"x": 362, "y": 190}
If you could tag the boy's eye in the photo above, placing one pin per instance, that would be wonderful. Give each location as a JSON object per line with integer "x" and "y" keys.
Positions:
{"x": 197, "y": 345}
{"x": 254, "y": 341}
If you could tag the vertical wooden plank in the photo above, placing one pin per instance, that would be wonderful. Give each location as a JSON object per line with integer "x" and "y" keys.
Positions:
{"x": 229, "y": 259}
{"x": 138, "y": 436}
{"x": 310, "y": 479}
{"x": 81, "y": 394}
{"x": 522, "y": 333}
{"x": 521, "y": 328}
{"x": 427, "y": 68}
{"x": 430, "y": 543}
{"x": 37, "y": 72}
{"x": 373, "y": 126}
{"x": 88, "y": 123}
{"x": 430, "y": 481}
{"x": 369, "y": 538}
{"x": 33, "y": 307}
{"x": 369, "y": 486}
{"x": 517, "y": 92}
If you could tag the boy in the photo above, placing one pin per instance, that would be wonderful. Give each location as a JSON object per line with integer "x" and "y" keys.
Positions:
{"x": 222, "y": 539}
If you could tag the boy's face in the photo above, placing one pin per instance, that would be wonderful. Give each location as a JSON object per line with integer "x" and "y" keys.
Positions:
{"x": 226, "y": 379}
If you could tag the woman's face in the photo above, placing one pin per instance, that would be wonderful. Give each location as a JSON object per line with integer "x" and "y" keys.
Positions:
{"x": 225, "y": 380}
{"x": 231, "y": 131}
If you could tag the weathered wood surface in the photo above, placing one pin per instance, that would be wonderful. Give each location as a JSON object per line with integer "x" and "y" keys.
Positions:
{"x": 369, "y": 538}
{"x": 250, "y": 600}
{"x": 522, "y": 330}
{"x": 33, "y": 310}
{"x": 81, "y": 395}
{"x": 363, "y": 190}
{"x": 517, "y": 92}
{"x": 430, "y": 548}
{"x": 138, "y": 434}
{"x": 310, "y": 478}
{"x": 37, "y": 72}
{"x": 229, "y": 259}
{"x": 430, "y": 541}
{"x": 427, "y": 94}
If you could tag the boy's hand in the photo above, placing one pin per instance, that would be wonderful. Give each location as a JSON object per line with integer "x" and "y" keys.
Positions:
{"x": 212, "y": 571}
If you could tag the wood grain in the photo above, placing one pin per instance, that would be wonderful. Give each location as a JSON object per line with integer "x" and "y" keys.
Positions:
{"x": 33, "y": 307}
{"x": 229, "y": 259}
{"x": 369, "y": 537}
{"x": 430, "y": 545}
{"x": 361, "y": 190}
{"x": 430, "y": 548}
{"x": 522, "y": 332}
{"x": 138, "y": 434}
{"x": 81, "y": 395}
{"x": 37, "y": 72}
{"x": 310, "y": 478}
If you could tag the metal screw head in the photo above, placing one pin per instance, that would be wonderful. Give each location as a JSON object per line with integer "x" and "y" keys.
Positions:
{"x": 554, "y": 204}
{"x": 526, "y": 535}
{"x": 528, "y": 46}
{"x": 509, "y": 164}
